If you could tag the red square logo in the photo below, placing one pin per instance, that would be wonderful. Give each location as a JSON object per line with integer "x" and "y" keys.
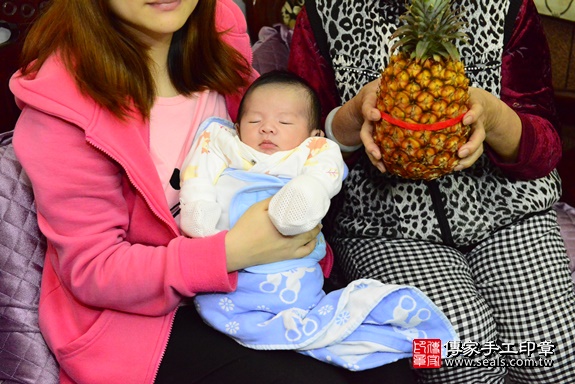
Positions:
{"x": 426, "y": 353}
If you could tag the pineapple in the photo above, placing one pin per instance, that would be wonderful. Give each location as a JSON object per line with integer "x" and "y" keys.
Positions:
{"x": 423, "y": 94}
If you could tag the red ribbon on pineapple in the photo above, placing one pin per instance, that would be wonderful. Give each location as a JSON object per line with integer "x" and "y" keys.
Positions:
{"x": 422, "y": 127}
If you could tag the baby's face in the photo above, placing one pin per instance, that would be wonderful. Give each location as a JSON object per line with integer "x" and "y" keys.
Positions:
{"x": 276, "y": 118}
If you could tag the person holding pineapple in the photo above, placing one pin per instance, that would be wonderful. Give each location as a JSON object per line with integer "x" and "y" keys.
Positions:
{"x": 446, "y": 113}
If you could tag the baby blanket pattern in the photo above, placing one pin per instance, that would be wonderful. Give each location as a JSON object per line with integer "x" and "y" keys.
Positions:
{"x": 361, "y": 326}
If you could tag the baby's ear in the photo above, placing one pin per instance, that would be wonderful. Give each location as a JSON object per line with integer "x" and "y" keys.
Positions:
{"x": 237, "y": 127}
{"x": 317, "y": 132}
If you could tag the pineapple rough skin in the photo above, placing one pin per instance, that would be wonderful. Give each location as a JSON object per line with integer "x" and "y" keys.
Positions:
{"x": 425, "y": 92}
{"x": 424, "y": 83}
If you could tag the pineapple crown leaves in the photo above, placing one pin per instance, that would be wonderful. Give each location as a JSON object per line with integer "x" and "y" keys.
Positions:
{"x": 430, "y": 28}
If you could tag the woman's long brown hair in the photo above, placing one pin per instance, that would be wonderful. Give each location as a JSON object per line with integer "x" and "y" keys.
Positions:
{"x": 109, "y": 63}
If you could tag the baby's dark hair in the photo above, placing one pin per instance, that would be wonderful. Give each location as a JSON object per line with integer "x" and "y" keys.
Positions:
{"x": 282, "y": 77}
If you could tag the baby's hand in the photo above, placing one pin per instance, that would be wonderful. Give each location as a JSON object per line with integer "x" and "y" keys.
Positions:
{"x": 299, "y": 206}
{"x": 199, "y": 218}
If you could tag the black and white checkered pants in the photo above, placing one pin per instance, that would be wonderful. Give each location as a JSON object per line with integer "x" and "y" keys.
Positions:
{"x": 513, "y": 288}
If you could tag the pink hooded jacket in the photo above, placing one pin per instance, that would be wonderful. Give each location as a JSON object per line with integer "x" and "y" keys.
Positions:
{"x": 116, "y": 266}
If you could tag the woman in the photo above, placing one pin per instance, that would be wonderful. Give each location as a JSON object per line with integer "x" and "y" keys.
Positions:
{"x": 483, "y": 242}
{"x": 112, "y": 93}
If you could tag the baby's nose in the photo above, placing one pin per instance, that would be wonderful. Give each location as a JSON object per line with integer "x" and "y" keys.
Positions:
{"x": 268, "y": 128}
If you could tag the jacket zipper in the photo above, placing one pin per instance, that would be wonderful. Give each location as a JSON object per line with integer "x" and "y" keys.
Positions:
{"x": 176, "y": 233}
{"x": 157, "y": 368}
{"x": 163, "y": 352}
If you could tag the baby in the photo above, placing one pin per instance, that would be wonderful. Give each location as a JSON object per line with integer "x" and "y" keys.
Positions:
{"x": 277, "y": 135}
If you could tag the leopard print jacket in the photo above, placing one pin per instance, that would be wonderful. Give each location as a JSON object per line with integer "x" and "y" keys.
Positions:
{"x": 460, "y": 209}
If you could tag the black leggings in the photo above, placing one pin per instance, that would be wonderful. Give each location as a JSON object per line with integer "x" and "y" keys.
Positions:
{"x": 196, "y": 353}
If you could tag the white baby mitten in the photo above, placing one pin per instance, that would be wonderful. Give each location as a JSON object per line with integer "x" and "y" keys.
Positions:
{"x": 299, "y": 206}
{"x": 199, "y": 218}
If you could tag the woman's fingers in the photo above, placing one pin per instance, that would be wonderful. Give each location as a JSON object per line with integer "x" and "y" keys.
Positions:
{"x": 371, "y": 115}
{"x": 305, "y": 242}
{"x": 254, "y": 240}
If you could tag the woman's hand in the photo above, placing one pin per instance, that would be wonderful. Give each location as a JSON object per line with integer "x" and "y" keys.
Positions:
{"x": 493, "y": 122}
{"x": 473, "y": 149}
{"x": 254, "y": 240}
{"x": 354, "y": 122}
{"x": 371, "y": 115}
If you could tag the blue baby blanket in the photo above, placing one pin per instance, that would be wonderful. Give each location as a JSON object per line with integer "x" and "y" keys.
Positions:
{"x": 283, "y": 306}
{"x": 361, "y": 326}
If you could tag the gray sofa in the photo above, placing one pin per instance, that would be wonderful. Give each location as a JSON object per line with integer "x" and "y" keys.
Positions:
{"x": 24, "y": 356}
